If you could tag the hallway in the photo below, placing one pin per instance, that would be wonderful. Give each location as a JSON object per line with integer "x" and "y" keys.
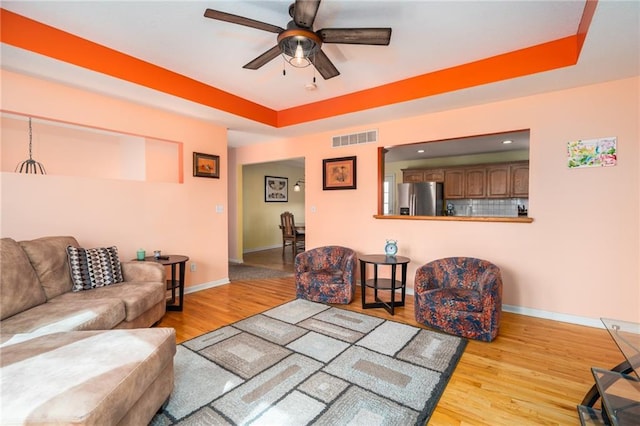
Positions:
{"x": 271, "y": 258}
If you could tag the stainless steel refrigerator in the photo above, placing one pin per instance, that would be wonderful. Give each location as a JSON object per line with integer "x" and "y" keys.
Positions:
{"x": 420, "y": 199}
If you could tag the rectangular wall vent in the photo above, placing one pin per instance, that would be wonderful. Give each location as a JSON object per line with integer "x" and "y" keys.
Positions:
{"x": 355, "y": 138}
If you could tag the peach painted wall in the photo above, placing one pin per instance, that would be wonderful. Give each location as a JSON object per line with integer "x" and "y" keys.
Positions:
{"x": 175, "y": 217}
{"x": 87, "y": 152}
{"x": 576, "y": 262}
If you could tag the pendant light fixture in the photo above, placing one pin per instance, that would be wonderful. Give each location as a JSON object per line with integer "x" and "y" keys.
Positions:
{"x": 30, "y": 165}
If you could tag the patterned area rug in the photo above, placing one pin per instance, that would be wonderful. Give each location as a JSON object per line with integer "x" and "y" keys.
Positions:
{"x": 242, "y": 272}
{"x": 308, "y": 363}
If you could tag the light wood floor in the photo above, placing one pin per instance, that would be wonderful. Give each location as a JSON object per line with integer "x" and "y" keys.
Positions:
{"x": 534, "y": 373}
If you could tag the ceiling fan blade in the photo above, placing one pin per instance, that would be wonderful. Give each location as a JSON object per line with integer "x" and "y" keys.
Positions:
{"x": 263, "y": 59}
{"x": 324, "y": 65}
{"x": 375, "y": 36}
{"x": 304, "y": 12}
{"x": 241, "y": 20}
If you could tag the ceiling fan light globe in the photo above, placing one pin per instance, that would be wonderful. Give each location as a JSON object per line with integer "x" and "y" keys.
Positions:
{"x": 299, "y": 62}
{"x": 292, "y": 41}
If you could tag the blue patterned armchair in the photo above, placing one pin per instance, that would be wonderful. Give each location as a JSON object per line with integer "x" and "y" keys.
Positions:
{"x": 326, "y": 274}
{"x": 460, "y": 296}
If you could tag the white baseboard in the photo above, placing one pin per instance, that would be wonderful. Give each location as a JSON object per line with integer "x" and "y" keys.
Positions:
{"x": 204, "y": 286}
{"x": 538, "y": 313}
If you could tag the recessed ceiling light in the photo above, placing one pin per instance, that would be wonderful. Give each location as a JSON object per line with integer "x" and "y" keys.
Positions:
{"x": 507, "y": 142}
{"x": 420, "y": 151}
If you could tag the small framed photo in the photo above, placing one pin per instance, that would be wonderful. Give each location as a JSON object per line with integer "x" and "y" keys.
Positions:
{"x": 339, "y": 173}
{"x": 276, "y": 189}
{"x": 206, "y": 165}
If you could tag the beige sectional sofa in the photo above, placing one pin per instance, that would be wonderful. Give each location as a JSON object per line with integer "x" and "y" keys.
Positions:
{"x": 61, "y": 361}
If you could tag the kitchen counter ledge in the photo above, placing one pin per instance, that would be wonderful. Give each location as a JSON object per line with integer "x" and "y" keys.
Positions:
{"x": 519, "y": 219}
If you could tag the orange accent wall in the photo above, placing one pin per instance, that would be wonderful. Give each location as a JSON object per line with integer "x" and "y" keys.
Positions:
{"x": 585, "y": 22}
{"x": 544, "y": 57}
{"x": 28, "y": 34}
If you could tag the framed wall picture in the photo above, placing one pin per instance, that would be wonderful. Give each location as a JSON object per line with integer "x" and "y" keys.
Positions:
{"x": 206, "y": 165}
{"x": 339, "y": 173}
{"x": 592, "y": 153}
{"x": 276, "y": 189}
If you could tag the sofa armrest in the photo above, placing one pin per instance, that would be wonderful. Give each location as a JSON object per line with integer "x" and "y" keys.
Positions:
{"x": 143, "y": 271}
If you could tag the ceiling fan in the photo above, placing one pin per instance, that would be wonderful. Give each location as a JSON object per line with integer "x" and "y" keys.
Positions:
{"x": 300, "y": 42}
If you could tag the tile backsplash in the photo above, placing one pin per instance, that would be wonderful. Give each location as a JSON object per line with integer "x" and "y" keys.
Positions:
{"x": 487, "y": 207}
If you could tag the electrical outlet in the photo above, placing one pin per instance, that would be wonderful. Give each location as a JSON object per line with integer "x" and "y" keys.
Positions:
{"x": 193, "y": 267}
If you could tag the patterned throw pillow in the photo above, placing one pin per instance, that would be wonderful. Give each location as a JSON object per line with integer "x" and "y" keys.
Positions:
{"x": 94, "y": 267}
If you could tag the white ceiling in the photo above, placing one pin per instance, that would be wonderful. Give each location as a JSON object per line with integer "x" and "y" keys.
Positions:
{"x": 427, "y": 36}
{"x": 481, "y": 144}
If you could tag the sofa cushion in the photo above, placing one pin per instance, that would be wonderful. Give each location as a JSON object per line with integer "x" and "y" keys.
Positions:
{"x": 137, "y": 297}
{"x": 101, "y": 375}
{"x": 94, "y": 267}
{"x": 48, "y": 255}
{"x": 67, "y": 315}
{"x": 19, "y": 284}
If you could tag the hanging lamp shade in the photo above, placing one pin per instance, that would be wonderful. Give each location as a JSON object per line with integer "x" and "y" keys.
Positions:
{"x": 31, "y": 165}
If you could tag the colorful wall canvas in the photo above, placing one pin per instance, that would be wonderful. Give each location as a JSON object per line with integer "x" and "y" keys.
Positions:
{"x": 592, "y": 153}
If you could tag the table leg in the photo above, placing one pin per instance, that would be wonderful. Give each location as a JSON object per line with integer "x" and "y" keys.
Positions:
{"x": 182, "y": 268}
{"x": 404, "y": 281}
{"x": 375, "y": 281}
{"x": 173, "y": 283}
{"x": 363, "y": 281}
{"x": 393, "y": 288}
{"x": 177, "y": 282}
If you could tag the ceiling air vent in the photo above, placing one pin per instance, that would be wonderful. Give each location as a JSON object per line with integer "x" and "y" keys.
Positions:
{"x": 355, "y": 138}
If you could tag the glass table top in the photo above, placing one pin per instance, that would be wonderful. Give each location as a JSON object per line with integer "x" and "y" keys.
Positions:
{"x": 627, "y": 337}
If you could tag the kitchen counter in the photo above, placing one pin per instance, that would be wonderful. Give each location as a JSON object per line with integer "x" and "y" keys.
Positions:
{"x": 513, "y": 219}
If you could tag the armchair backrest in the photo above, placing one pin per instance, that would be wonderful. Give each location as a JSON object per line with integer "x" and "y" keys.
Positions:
{"x": 458, "y": 272}
{"x": 327, "y": 257}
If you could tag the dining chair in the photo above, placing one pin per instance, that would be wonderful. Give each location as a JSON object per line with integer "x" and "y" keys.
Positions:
{"x": 290, "y": 235}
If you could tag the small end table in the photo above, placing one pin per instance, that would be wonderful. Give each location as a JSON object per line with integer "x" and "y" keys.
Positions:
{"x": 175, "y": 282}
{"x": 383, "y": 283}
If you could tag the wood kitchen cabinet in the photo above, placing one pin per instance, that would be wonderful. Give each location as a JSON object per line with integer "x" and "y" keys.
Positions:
{"x": 453, "y": 184}
{"x": 499, "y": 181}
{"x": 475, "y": 182}
{"x": 434, "y": 175}
{"x": 428, "y": 175}
{"x": 519, "y": 180}
{"x": 412, "y": 176}
{"x": 464, "y": 183}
